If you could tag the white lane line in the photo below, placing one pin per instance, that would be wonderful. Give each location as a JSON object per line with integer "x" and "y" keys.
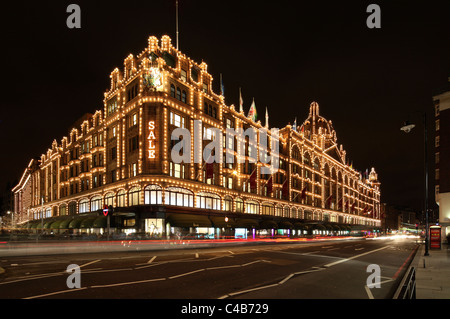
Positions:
{"x": 231, "y": 252}
{"x": 89, "y": 263}
{"x": 309, "y": 253}
{"x": 55, "y": 293}
{"x": 353, "y": 257}
{"x": 150, "y": 261}
{"x": 187, "y": 273}
{"x": 127, "y": 283}
{"x": 369, "y": 293}
{"x": 272, "y": 285}
{"x": 196, "y": 255}
{"x": 359, "y": 248}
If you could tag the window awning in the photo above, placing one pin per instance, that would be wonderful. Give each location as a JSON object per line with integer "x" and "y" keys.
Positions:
{"x": 219, "y": 222}
{"x": 87, "y": 222}
{"x": 268, "y": 224}
{"x": 301, "y": 226}
{"x": 47, "y": 224}
{"x": 285, "y": 225}
{"x": 247, "y": 223}
{"x": 188, "y": 220}
{"x": 55, "y": 225}
{"x": 75, "y": 223}
{"x": 99, "y": 222}
{"x": 65, "y": 223}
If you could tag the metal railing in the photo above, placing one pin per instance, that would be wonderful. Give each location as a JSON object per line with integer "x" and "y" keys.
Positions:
{"x": 407, "y": 287}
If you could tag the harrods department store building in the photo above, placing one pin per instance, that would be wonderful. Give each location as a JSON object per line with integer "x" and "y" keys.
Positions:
{"x": 121, "y": 156}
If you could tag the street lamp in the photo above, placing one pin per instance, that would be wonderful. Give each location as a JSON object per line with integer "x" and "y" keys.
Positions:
{"x": 407, "y": 127}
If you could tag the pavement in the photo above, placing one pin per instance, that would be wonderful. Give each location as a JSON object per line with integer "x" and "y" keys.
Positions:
{"x": 432, "y": 273}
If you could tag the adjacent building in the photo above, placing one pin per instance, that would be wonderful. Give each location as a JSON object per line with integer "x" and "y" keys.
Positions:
{"x": 121, "y": 157}
{"x": 442, "y": 158}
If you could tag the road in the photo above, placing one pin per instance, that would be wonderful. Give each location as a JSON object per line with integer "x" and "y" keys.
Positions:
{"x": 313, "y": 270}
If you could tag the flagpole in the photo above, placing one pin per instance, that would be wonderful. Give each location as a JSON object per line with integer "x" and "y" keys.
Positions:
{"x": 206, "y": 162}
{"x": 241, "y": 101}
{"x": 176, "y": 16}
{"x": 245, "y": 181}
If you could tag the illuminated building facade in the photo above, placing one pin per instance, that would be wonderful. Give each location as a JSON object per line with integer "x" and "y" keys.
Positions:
{"x": 442, "y": 158}
{"x": 121, "y": 157}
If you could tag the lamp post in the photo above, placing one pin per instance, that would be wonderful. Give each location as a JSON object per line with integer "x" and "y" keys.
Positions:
{"x": 407, "y": 127}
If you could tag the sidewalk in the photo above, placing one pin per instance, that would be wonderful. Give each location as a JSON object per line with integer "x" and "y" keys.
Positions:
{"x": 432, "y": 273}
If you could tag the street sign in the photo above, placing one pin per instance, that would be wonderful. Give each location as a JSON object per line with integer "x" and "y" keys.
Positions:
{"x": 105, "y": 210}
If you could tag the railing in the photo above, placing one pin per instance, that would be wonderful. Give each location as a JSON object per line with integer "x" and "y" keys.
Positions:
{"x": 407, "y": 287}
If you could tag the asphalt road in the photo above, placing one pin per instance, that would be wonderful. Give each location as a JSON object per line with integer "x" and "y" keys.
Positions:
{"x": 313, "y": 270}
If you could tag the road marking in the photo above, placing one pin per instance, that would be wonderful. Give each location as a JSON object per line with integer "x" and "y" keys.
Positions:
{"x": 353, "y": 257}
{"x": 309, "y": 253}
{"x": 231, "y": 252}
{"x": 127, "y": 283}
{"x": 55, "y": 293}
{"x": 369, "y": 293}
{"x": 150, "y": 261}
{"x": 196, "y": 255}
{"x": 359, "y": 248}
{"x": 89, "y": 263}
{"x": 272, "y": 285}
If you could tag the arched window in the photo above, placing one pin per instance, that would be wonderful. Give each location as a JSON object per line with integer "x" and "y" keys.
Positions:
{"x": 294, "y": 212}
{"x": 109, "y": 199}
{"x": 278, "y": 211}
{"x": 72, "y": 208}
{"x": 307, "y": 159}
{"x": 96, "y": 203}
{"x": 286, "y": 211}
{"x": 121, "y": 198}
{"x": 205, "y": 108}
{"x": 83, "y": 206}
{"x": 227, "y": 204}
{"x": 268, "y": 209}
{"x": 178, "y": 196}
{"x": 208, "y": 201}
{"x": 172, "y": 90}
{"x": 316, "y": 164}
{"x": 178, "y": 94}
{"x": 133, "y": 196}
{"x": 183, "y": 96}
{"x": 153, "y": 194}
{"x": 252, "y": 207}
{"x": 239, "y": 205}
{"x": 63, "y": 210}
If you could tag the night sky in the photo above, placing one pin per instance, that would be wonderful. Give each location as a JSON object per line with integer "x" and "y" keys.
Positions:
{"x": 285, "y": 54}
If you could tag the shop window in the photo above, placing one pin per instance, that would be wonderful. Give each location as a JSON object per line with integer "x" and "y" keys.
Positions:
{"x": 153, "y": 195}
{"x": 133, "y": 196}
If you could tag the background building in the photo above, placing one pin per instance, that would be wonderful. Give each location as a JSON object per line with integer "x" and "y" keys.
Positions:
{"x": 442, "y": 157}
{"x": 121, "y": 157}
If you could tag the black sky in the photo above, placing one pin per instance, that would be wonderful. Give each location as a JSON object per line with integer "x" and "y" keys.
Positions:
{"x": 285, "y": 54}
